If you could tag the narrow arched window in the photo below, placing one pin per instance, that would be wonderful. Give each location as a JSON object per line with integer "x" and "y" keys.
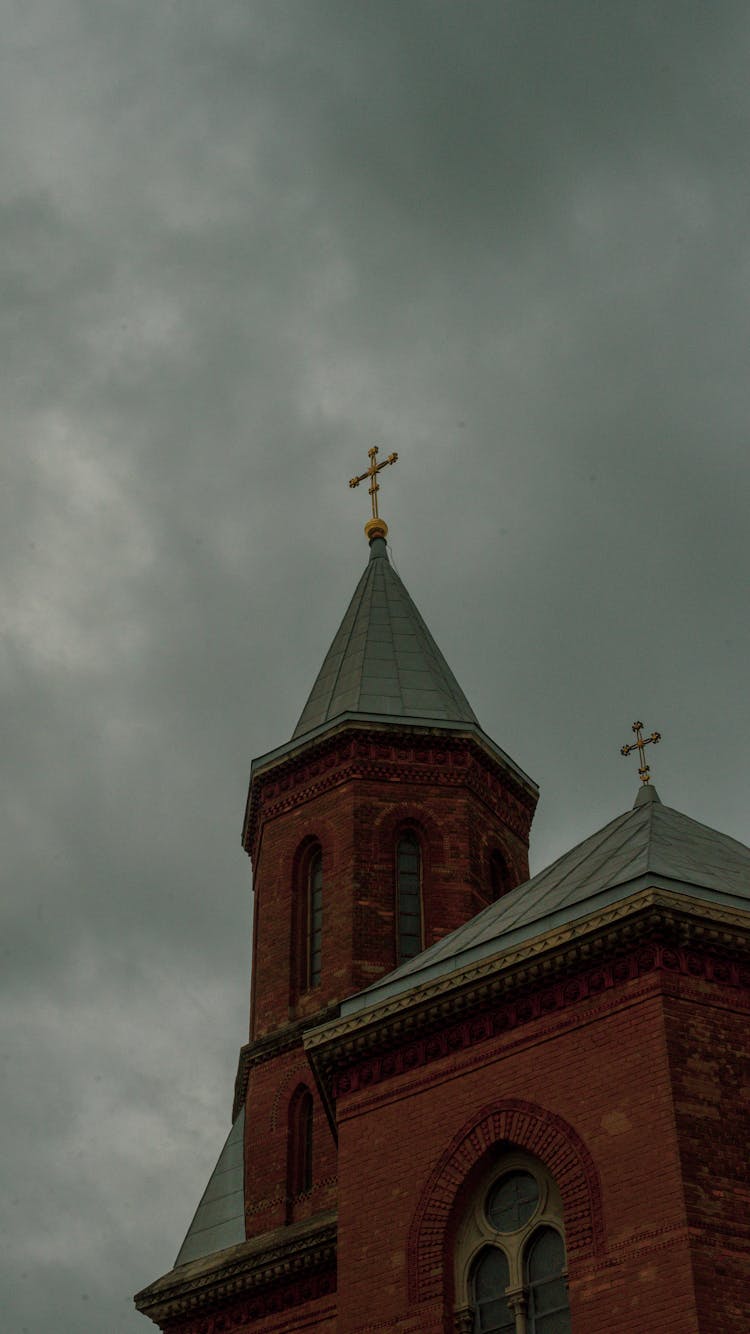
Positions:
{"x": 499, "y": 877}
{"x": 409, "y": 895}
{"x": 300, "y": 1142}
{"x": 548, "y": 1311}
{"x": 490, "y": 1278}
{"x": 314, "y": 916}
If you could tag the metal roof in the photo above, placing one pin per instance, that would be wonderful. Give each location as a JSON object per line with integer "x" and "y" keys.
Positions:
{"x": 650, "y": 845}
{"x": 383, "y": 661}
{"x": 220, "y": 1217}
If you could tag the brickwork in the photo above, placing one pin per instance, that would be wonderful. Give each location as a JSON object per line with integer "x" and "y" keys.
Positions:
{"x": 284, "y": 1309}
{"x": 352, "y": 801}
{"x": 710, "y": 1064}
{"x": 269, "y": 1198}
{"x": 351, "y": 798}
{"x": 592, "y": 1101}
{"x": 615, "y": 1057}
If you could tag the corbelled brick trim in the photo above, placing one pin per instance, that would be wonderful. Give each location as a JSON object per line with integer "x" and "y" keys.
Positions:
{"x": 529, "y": 1127}
{"x": 410, "y": 754}
{"x": 273, "y": 1045}
{"x": 255, "y": 1279}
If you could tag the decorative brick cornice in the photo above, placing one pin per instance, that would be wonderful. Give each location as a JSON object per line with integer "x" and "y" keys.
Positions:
{"x": 412, "y": 756}
{"x": 653, "y": 930}
{"x": 258, "y": 1278}
{"x": 274, "y": 1044}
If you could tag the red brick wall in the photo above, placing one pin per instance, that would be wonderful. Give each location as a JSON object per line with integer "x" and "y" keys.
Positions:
{"x": 268, "y": 1204}
{"x": 602, "y": 1071}
{"x": 462, "y": 815}
{"x": 710, "y": 1063}
{"x": 356, "y": 821}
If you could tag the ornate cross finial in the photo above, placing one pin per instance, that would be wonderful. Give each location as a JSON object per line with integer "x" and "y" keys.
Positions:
{"x": 639, "y": 744}
{"x": 375, "y": 527}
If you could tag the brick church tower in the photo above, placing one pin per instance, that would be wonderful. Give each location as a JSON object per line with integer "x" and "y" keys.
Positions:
{"x": 470, "y": 1101}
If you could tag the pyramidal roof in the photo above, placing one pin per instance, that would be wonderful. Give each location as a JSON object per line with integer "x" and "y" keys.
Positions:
{"x": 220, "y": 1217}
{"x": 649, "y": 846}
{"x": 383, "y": 661}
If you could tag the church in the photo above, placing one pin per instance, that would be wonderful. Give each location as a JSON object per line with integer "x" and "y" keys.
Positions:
{"x": 471, "y": 1101}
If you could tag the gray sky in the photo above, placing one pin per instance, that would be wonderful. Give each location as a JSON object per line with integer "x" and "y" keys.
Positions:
{"x": 242, "y": 242}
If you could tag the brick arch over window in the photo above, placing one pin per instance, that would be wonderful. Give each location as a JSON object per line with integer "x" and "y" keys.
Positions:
{"x": 403, "y": 820}
{"x": 501, "y": 870}
{"x": 510, "y": 1122}
{"x": 409, "y": 815}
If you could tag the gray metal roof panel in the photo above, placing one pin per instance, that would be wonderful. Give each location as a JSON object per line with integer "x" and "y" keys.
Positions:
{"x": 383, "y": 659}
{"x": 220, "y": 1217}
{"x": 649, "y": 845}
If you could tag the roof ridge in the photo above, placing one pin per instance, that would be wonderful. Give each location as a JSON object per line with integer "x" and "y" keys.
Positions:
{"x": 364, "y": 582}
{"x": 619, "y": 822}
{"x": 400, "y": 585}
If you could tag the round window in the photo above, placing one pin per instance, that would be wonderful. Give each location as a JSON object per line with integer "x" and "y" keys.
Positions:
{"x": 512, "y": 1201}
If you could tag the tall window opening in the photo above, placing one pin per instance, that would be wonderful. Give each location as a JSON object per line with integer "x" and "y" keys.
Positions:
{"x": 510, "y": 1260}
{"x": 314, "y": 917}
{"x": 300, "y": 1174}
{"x": 499, "y": 876}
{"x": 490, "y": 1279}
{"x": 408, "y": 895}
{"x": 545, "y": 1266}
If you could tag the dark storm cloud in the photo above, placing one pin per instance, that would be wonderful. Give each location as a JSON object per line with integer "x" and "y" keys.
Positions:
{"x": 241, "y": 243}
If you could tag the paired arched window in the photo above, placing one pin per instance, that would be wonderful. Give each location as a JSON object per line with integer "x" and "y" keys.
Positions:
{"x": 408, "y": 895}
{"x": 300, "y": 1142}
{"x": 511, "y": 1268}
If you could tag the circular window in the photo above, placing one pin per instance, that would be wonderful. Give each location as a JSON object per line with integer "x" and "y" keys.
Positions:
{"x": 512, "y": 1201}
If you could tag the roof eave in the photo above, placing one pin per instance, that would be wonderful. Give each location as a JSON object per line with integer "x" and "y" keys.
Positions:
{"x": 574, "y": 915}
{"x": 600, "y": 929}
{"x": 381, "y": 722}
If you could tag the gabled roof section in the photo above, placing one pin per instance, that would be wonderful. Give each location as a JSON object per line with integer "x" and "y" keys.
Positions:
{"x": 383, "y": 661}
{"x": 649, "y": 846}
{"x": 220, "y": 1217}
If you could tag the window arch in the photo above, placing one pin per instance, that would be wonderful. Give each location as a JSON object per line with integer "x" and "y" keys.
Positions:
{"x": 408, "y": 895}
{"x": 510, "y": 1253}
{"x": 300, "y": 1143}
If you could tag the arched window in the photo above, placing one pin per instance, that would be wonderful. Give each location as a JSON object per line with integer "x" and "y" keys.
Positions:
{"x": 408, "y": 895}
{"x": 500, "y": 881}
{"x": 299, "y": 1172}
{"x": 510, "y": 1261}
{"x": 314, "y": 917}
{"x": 490, "y": 1278}
{"x": 545, "y": 1268}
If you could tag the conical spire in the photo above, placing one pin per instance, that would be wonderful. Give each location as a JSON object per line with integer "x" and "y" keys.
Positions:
{"x": 383, "y": 661}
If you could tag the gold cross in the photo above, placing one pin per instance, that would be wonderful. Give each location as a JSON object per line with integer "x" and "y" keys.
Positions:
{"x": 376, "y": 527}
{"x": 639, "y": 744}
